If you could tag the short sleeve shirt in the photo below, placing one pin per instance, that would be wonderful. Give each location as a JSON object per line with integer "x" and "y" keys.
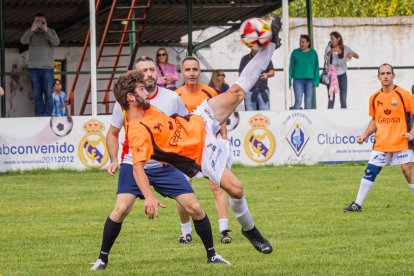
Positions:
{"x": 178, "y": 141}
{"x": 391, "y": 112}
{"x": 193, "y": 99}
{"x": 166, "y": 100}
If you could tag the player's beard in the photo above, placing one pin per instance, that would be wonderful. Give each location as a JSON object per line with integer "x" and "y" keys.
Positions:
{"x": 144, "y": 104}
{"x": 150, "y": 86}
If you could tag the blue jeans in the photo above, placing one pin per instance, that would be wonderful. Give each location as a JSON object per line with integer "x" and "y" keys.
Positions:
{"x": 42, "y": 80}
{"x": 300, "y": 87}
{"x": 343, "y": 90}
{"x": 259, "y": 105}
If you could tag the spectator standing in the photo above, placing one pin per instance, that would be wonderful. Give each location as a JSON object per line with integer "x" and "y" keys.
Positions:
{"x": 41, "y": 40}
{"x": 304, "y": 70}
{"x": 60, "y": 102}
{"x": 337, "y": 55}
{"x": 167, "y": 73}
{"x": 217, "y": 81}
{"x": 258, "y": 97}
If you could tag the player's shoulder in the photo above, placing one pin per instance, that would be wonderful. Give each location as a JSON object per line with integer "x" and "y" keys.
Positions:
{"x": 402, "y": 91}
{"x": 167, "y": 93}
{"x": 208, "y": 89}
{"x": 375, "y": 94}
{"x": 179, "y": 90}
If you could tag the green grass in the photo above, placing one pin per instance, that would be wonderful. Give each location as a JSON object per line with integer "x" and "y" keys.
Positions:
{"x": 51, "y": 224}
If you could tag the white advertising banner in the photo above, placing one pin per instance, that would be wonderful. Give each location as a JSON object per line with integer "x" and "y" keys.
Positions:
{"x": 59, "y": 142}
{"x": 257, "y": 138}
{"x": 298, "y": 137}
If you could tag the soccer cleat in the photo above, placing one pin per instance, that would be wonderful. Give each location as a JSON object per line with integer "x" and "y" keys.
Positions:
{"x": 217, "y": 259}
{"x": 259, "y": 242}
{"x": 276, "y": 26}
{"x": 98, "y": 265}
{"x": 353, "y": 207}
{"x": 185, "y": 239}
{"x": 225, "y": 237}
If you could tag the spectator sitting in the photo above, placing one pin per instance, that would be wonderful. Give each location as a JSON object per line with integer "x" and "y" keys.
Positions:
{"x": 59, "y": 100}
{"x": 41, "y": 40}
{"x": 304, "y": 70}
{"x": 217, "y": 81}
{"x": 167, "y": 73}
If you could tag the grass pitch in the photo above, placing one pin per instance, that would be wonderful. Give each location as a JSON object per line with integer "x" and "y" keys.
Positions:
{"x": 51, "y": 224}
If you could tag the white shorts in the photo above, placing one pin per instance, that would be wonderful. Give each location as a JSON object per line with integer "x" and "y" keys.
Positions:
{"x": 216, "y": 152}
{"x": 382, "y": 159}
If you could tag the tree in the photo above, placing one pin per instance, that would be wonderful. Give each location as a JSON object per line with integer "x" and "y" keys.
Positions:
{"x": 353, "y": 8}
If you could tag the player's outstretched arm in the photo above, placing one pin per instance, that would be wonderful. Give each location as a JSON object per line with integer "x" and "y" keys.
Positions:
{"x": 151, "y": 203}
{"x": 112, "y": 143}
{"x": 372, "y": 127}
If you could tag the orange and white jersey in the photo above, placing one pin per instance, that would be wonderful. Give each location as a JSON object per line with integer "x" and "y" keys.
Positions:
{"x": 193, "y": 99}
{"x": 178, "y": 141}
{"x": 166, "y": 100}
{"x": 391, "y": 112}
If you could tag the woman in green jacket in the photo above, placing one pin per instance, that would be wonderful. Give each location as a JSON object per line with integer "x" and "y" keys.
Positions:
{"x": 304, "y": 70}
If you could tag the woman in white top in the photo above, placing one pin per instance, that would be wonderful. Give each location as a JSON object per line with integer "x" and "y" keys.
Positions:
{"x": 337, "y": 54}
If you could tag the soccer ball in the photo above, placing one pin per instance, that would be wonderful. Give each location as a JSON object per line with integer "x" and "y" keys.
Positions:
{"x": 61, "y": 126}
{"x": 233, "y": 121}
{"x": 255, "y": 32}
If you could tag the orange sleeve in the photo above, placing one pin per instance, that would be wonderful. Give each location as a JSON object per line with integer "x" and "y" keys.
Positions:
{"x": 213, "y": 92}
{"x": 210, "y": 90}
{"x": 371, "y": 109}
{"x": 140, "y": 143}
{"x": 410, "y": 106}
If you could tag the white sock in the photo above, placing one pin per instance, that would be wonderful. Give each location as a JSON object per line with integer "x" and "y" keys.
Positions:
{"x": 186, "y": 228}
{"x": 255, "y": 67}
{"x": 242, "y": 213}
{"x": 223, "y": 224}
{"x": 364, "y": 189}
{"x": 411, "y": 186}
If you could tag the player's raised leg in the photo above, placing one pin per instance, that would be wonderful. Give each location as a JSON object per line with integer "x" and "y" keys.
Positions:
{"x": 224, "y": 104}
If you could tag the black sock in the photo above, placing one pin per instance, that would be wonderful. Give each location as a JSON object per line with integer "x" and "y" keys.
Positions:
{"x": 203, "y": 229}
{"x": 110, "y": 233}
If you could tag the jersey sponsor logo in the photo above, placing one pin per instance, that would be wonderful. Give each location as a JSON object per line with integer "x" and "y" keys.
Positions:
{"x": 379, "y": 103}
{"x": 177, "y": 135}
{"x": 392, "y": 120}
{"x": 387, "y": 111}
{"x": 216, "y": 158}
{"x": 158, "y": 127}
{"x": 297, "y": 139}
{"x": 213, "y": 147}
{"x": 92, "y": 149}
{"x": 209, "y": 114}
{"x": 170, "y": 125}
{"x": 259, "y": 142}
{"x": 401, "y": 156}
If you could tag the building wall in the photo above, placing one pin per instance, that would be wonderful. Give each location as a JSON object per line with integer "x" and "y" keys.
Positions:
{"x": 376, "y": 40}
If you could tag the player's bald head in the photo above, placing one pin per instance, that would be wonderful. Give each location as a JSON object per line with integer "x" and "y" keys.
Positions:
{"x": 385, "y": 65}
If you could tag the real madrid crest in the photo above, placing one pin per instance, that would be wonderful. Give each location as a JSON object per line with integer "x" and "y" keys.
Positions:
{"x": 92, "y": 147}
{"x": 259, "y": 143}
